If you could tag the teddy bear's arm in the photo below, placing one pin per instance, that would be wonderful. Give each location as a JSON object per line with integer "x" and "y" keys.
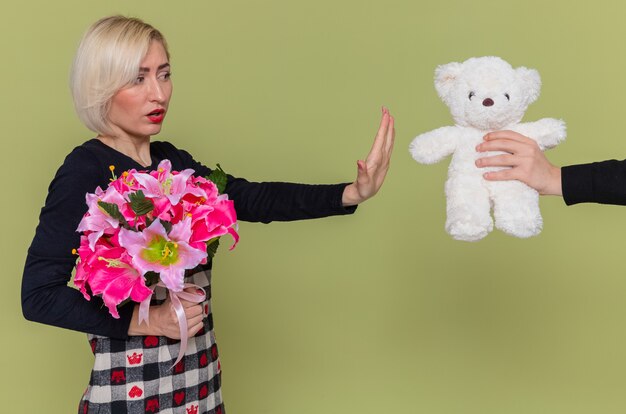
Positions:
{"x": 433, "y": 146}
{"x": 548, "y": 132}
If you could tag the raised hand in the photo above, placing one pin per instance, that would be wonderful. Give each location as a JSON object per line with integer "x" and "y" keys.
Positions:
{"x": 371, "y": 172}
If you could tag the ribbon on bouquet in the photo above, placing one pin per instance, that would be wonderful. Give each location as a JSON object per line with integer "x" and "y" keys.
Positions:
{"x": 175, "y": 297}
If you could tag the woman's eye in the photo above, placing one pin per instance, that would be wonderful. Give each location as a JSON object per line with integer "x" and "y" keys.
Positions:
{"x": 166, "y": 75}
{"x": 139, "y": 79}
{"x": 508, "y": 98}
{"x": 471, "y": 94}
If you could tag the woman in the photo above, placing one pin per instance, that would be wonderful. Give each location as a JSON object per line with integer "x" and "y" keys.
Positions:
{"x": 121, "y": 88}
{"x": 600, "y": 182}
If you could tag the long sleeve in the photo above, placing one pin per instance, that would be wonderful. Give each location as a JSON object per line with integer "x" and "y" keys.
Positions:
{"x": 599, "y": 182}
{"x": 46, "y": 297}
{"x": 278, "y": 201}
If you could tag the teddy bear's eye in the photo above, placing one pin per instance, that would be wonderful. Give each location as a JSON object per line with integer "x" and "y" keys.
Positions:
{"x": 471, "y": 94}
{"x": 508, "y": 98}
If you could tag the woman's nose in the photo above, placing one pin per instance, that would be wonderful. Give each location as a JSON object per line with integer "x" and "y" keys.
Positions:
{"x": 156, "y": 91}
{"x": 488, "y": 102}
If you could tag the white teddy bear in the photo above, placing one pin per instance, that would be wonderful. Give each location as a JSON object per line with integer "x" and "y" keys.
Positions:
{"x": 485, "y": 94}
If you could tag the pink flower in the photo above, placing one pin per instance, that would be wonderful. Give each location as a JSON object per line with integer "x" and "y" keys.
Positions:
{"x": 155, "y": 250}
{"x": 108, "y": 272}
{"x": 209, "y": 189}
{"x": 117, "y": 250}
{"x": 83, "y": 268}
{"x": 213, "y": 215}
{"x": 215, "y": 220}
{"x": 126, "y": 182}
{"x": 165, "y": 211}
{"x": 173, "y": 186}
{"x": 96, "y": 221}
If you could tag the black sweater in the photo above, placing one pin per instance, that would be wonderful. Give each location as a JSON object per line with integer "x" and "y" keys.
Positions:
{"x": 46, "y": 298}
{"x": 599, "y": 182}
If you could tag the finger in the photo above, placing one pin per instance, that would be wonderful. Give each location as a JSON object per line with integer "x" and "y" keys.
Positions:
{"x": 393, "y": 140}
{"x": 195, "y": 320}
{"x": 503, "y": 175}
{"x": 381, "y": 141}
{"x": 187, "y": 304}
{"x": 502, "y": 144}
{"x": 380, "y": 135}
{"x": 194, "y": 292}
{"x": 384, "y": 123}
{"x": 391, "y": 134}
{"x": 362, "y": 172}
{"x": 504, "y": 160}
{"x": 194, "y": 329}
{"x": 512, "y": 135}
{"x": 361, "y": 166}
{"x": 193, "y": 311}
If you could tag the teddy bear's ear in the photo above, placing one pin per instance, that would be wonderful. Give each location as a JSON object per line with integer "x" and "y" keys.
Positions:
{"x": 532, "y": 83}
{"x": 445, "y": 78}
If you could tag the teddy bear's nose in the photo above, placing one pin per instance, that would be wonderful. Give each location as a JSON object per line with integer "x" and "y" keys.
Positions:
{"x": 488, "y": 102}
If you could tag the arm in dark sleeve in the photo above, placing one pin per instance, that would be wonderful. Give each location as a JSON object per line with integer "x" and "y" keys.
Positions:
{"x": 277, "y": 201}
{"x": 46, "y": 298}
{"x": 599, "y": 182}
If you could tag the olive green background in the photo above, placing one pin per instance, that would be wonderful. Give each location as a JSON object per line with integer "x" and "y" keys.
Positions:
{"x": 379, "y": 312}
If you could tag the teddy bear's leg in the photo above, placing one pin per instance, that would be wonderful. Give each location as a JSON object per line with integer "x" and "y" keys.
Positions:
{"x": 516, "y": 208}
{"x": 468, "y": 209}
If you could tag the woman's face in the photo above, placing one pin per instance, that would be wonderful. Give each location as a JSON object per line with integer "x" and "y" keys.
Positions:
{"x": 138, "y": 110}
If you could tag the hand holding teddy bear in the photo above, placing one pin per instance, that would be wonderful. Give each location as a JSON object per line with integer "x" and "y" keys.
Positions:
{"x": 486, "y": 94}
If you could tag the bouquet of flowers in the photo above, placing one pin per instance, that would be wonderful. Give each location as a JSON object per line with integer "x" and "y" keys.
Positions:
{"x": 145, "y": 230}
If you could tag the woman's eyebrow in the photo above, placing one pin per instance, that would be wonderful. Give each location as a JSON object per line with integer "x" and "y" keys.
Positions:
{"x": 162, "y": 66}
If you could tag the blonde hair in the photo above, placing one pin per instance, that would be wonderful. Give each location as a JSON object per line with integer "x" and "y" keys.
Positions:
{"x": 108, "y": 58}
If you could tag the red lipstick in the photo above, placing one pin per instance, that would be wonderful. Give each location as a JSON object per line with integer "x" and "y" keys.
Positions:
{"x": 156, "y": 116}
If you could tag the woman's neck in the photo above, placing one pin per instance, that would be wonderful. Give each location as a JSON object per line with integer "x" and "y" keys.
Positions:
{"x": 136, "y": 148}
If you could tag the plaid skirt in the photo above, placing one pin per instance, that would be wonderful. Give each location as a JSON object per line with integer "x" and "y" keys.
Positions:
{"x": 136, "y": 375}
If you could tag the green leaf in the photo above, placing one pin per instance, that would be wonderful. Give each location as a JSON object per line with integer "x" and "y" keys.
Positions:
{"x": 113, "y": 211}
{"x": 218, "y": 176}
{"x": 211, "y": 247}
{"x": 140, "y": 204}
